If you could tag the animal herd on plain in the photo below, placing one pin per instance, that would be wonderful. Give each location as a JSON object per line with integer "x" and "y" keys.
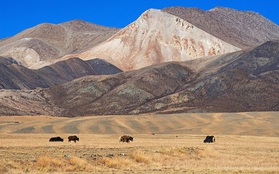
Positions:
{"x": 70, "y": 138}
{"x": 123, "y": 139}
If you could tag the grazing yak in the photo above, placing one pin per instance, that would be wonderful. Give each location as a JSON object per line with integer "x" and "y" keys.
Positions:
{"x": 73, "y": 138}
{"x": 54, "y": 139}
{"x": 209, "y": 139}
{"x": 126, "y": 138}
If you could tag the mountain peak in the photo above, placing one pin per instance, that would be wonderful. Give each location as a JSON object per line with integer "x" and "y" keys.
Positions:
{"x": 46, "y": 42}
{"x": 155, "y": 37}
{"x": 84, "y": 26}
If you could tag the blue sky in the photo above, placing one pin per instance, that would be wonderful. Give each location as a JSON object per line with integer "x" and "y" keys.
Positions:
{"x": 17, "y": 15}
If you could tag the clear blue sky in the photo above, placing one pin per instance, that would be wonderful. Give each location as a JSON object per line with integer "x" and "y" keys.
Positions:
{"x": 17, "y": 15}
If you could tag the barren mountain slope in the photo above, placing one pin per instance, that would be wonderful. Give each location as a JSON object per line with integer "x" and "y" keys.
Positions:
{"x": 157, "y": 37}
{"x": 240, "y": 28}
{"x": 16, "y": 76}
{"x": 236, "y": 82}
{"x": 48, "y": 42}
{"x": 241, "y": 81}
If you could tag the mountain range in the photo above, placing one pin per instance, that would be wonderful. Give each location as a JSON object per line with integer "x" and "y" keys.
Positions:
{"x": 167, "y": 61}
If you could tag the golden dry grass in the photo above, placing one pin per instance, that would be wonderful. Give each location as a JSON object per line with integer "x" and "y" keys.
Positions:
{"x": 167, "y": 144}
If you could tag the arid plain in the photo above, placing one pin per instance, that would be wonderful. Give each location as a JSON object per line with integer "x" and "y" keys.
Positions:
{"x": 245, "y": 143}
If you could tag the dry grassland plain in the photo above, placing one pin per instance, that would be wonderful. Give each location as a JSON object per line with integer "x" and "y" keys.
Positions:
{"x": 245, "y": 143}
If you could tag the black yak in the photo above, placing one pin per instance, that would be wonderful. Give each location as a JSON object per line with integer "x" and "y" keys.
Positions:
{"x": 209, "y": 139}
{"x": 54, "y": 139}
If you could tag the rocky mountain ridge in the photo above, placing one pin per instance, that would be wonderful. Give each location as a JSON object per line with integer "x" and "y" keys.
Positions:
{"x": 243, "y": 29}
